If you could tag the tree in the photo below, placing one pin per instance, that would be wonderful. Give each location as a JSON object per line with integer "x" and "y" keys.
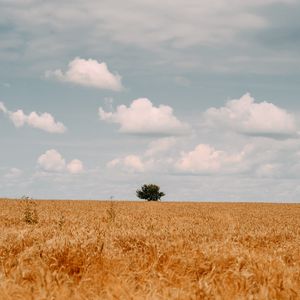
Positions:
{"x": 150, "y": 192}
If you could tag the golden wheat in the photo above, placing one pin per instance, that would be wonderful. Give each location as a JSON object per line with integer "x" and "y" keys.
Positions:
{"x": 130, "y": 250}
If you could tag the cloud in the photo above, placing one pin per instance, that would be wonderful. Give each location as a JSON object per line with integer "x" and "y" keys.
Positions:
{"x": 75, "y": 166}
{"x": 183, "y": 23}
{"x": 143, "y": 118}
{"x": 262, "y": 158}
{"x": 88, "y": 72}
{"x": 129, "y": 163}
{"x": 248, "y": 117}
{"x": 3, "y": 108}
{"x": 205, "y": 159}
{"x": 52, "y": 161}
{"x": 157, "y": 158}
{"x": 43, "y": 121}
{"x": 13, "y": 173}
{"x": 148, "y": 32}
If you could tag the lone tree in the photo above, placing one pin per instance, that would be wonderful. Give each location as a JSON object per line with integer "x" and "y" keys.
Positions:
{"x": 150, "y": 192}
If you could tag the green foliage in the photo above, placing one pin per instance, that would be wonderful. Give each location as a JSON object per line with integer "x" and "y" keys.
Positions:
{"x": 150, "y": 192}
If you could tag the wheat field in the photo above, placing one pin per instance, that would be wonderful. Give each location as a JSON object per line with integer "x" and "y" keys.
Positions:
{"x": 130, "y": 250}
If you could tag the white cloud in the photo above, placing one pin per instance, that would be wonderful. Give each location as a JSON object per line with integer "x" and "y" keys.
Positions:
{"x": 52, "y": 161}
{"x": 88, "y": 72}
{"x": 13, "y": 173}
{"x": 205, "y": 159}
{"x": 2, "y": 107}
{"x": 248, "y": 117}
{"x": 142, "y": 117}
{"x": 75, "y": 166}
{"x": 158, "y": 157}
{"x": 129, "y": 163}
{"x": 43, "y": 121}
{"x": 18, "y": 118}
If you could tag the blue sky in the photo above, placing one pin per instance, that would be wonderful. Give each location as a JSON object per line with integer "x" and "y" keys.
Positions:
{"x": 200, "y": 97}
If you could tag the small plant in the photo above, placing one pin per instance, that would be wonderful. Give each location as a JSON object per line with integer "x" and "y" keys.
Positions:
{"x": 111, "y": 213}
{"x": 150, "y": 192}
{"x": 61, "y": 221}
{"x": 30, "y": 212}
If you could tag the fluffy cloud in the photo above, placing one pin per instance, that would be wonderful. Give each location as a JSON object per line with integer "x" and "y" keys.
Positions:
{"x": 88, "y": 72}
{"x": 142, "y": 117}
{"x": 261, "y": 158}
{"x": 248, "y": 117}
{"x": 157, "y": 158}
{"x": 52, "y": 161}
{"x": 129, "y": 163}
{"x": 205, "y": 159}
{"x": 75, "y": 166}
{"x": 43, "y": 121}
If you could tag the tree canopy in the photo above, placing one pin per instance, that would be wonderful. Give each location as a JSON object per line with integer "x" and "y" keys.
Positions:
{"x": 150, "y": 192}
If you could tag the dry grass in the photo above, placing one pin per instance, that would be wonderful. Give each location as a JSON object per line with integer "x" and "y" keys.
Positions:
{"x": 127, "y": 250}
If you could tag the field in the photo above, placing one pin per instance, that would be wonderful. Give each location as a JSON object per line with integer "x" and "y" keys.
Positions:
{"x": 130, "y": 250}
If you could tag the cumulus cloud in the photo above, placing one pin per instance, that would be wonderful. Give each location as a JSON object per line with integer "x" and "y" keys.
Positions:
{"x": 52, "y": 161}
{"x": 43, "y": 121}
{"x": 88, "y": 72}
{"x": 248, "y": 117}
{"x": 157, "y": 158}
{"x": 75, "y": 166}
{"x": 142, "y": 117}
{"x": 129, "y": 163}
{"x": 205, "y": 159}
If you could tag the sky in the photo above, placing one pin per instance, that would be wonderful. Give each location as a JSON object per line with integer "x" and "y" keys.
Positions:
{"x": 200, "y": 97}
